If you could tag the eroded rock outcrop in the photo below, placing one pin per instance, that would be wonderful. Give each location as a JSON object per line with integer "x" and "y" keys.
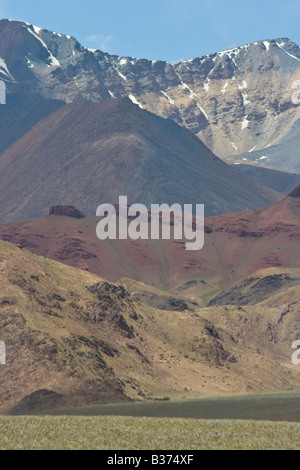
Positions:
{"x": 69, "y": 211}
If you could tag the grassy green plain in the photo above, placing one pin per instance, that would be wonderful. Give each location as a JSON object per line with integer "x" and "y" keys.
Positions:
{"x": 276, "y": 406}
{"x": 255, "y": 422}
{"x": 129, "y": 433}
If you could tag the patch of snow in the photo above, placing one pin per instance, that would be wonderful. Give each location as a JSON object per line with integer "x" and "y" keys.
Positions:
{"x": 37, "y": 30}
{"x": 243, "y": 86}
{"x": 234, "y": 146}
{"x": 212, "y": 69}
{"x": 280, "y": 44}
{"x": 252, "y": 149}
{"x": 54, "y": 61}
{"x": 29, "y": 63}
{"x": 233, "y": 60}
{"x": 3, "y": 65}
{"x": 184, "y": 86}
{"x": 202, "y": 110}
{"x": 111, "y": 94}
{"x": 281, "y": 47}
{"x": 4, "y": 69}
{"x": 245, "y": 99}
{"x": 120, "y": 74}
{"x": 206, "y": 85}
{"x": 186, "y": 61}
{"x": 168, "y": 97}
{"x": 224, "y": 87}
{"x": 123, "y": 61}
{"x": 245, "y": 123}
{"x": 235, "y": 51}
{"x": 264, "y": 158}
{"x": 135, "y": 101}
{"x": 267, "y": 45}
{"x": 192, "y": 94}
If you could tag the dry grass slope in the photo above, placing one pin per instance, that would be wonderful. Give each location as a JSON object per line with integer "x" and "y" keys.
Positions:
{"x": 75, "y": 339}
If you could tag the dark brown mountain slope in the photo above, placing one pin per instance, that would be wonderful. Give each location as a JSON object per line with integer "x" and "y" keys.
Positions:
{"x": 21, "y": 112}
{"x": 277, "y": 180}
{"x": 89, "y": 153}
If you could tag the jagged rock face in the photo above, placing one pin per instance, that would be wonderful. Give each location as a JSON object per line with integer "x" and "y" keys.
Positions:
{"x": 236, "y": 101}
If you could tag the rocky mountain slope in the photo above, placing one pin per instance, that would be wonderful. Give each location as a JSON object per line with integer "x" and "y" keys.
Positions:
{"x": 236, "y": 245}
{"x": 260, "y": 286}
{"x": 282, "y": 155}
{"x": 86, "y": 154}
{"x": 269, "y": 315}
{"x": 237, "y": 101}
{"x": 72, "y": 339}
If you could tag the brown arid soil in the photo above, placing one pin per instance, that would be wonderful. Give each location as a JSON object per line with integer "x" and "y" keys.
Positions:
{"x": 235, "y": 246}
{"x": 72, "y": 338}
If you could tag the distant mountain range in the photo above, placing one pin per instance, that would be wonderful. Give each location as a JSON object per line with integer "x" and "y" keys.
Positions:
{"x": 239, "y": 101}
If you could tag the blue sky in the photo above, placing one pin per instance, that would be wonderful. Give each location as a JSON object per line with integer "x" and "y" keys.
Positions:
{"x": 168, "y": 30}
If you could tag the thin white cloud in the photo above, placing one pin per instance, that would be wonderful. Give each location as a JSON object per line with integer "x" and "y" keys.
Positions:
{"x": 100, "y": 41}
